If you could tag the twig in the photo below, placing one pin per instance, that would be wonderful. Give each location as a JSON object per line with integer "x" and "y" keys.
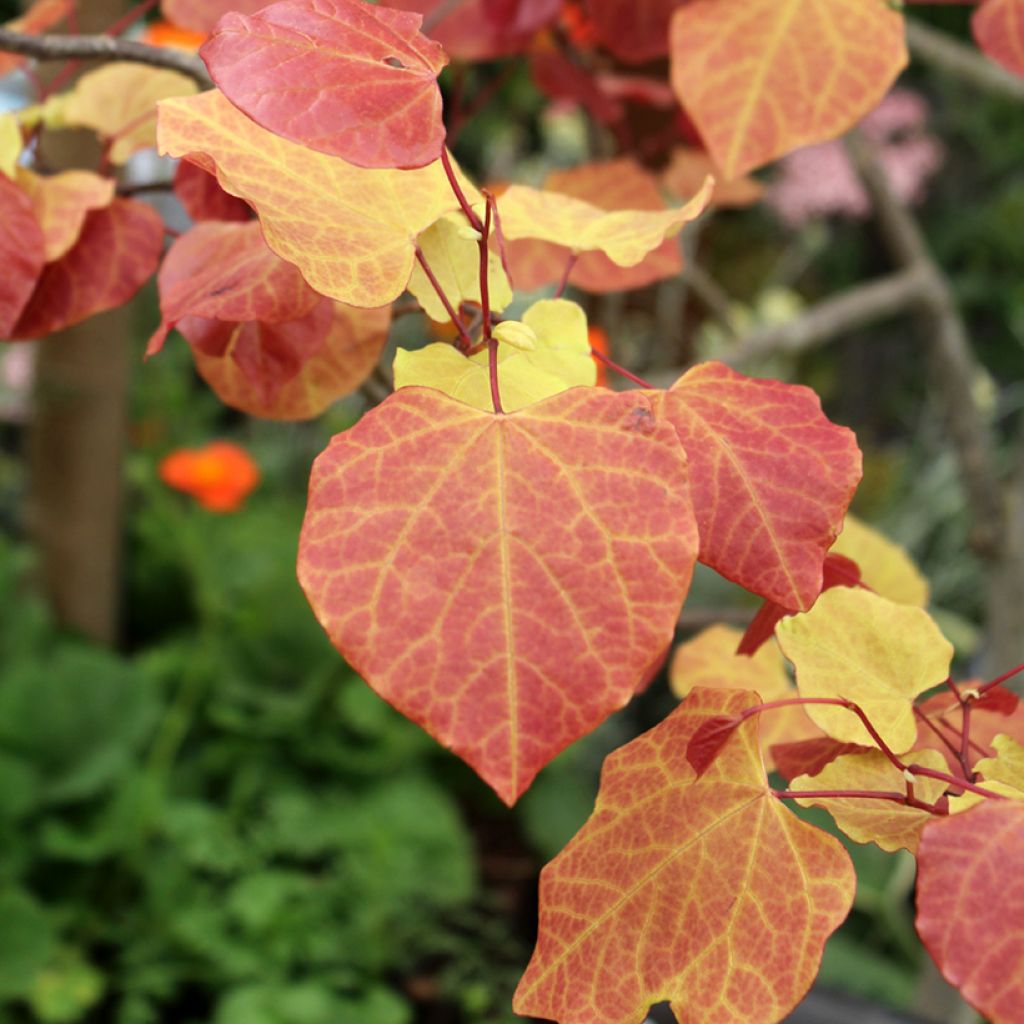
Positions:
{"x": 964, "y": 62}
{"x": 103, "y": 48}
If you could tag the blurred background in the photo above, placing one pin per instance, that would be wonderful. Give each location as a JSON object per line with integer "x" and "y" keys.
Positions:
{"x": 204, "y": 814}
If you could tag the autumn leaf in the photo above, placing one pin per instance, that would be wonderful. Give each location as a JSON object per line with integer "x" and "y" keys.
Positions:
{"x": 274, "y": 371}
{"x": 771, "y": 476}
{"x": 504, "y": 581}
{"x": 721, "y": 896}
{"x": 688, "y": 167}
{"x": 998, "y": 27}
{"x": 115, "y": 254}
{"x": 884, "y": 566}
{"x": 61, "y": 202}
{"x": 343, "y": 77}
{"x": 970, "y": 905}
{"x": 763, "y": 77}
{"x": 624, "y": 236}
{"x": 559, "y": 360}
{"x": 203, "y": 198}
{"x": 118, "y": 102}
{"x": 887, "y": 824}
{"x": 351, "y": 231}
{"x": 1003, "y": 773}
{"x": 560, "y": 77}
{"x": 11, "y": 144}
{"x": 860, "y": 647}
{"x": 454, "y": 259}
{"x": 710, "y": 660}
{"x": 21, "y": 254}
{"x": 808, "y": 757}
{"x": 636, "y": 31}
{"x": 202, "y": 15}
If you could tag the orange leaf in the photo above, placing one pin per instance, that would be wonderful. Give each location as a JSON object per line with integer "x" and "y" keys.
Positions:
{"x": 998, "y": 26}
{"x": 271, "y": 371}
{"x": 763, "y": 77}
{"x": 710, "y": 660}
{"x": 505, "y": 581}
{"x": 202, "y": 15}
{"x": 688, "y": 167}
{"x": 21, "y": 254}
{"x": 889, "y": 825}
{"x": 970, "y": 905}
{"x": 344, "y": 77}
{"x": 771, "y": 476}
{"x": 61, "y": 202}
{"x": 704, "y": 892}
{"x": 219, "y": 475}
{"x": 117, "y": 250}
{"x": 625, "y": 239}
{"x": 351, "y": 231}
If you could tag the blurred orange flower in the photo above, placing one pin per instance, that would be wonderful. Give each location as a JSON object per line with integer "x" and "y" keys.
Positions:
{"x": 599, "y": 343}
{"x": 163, "y": 33}
{"x": 220, "y": 475}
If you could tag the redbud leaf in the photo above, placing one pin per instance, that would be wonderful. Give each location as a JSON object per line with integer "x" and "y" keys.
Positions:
{"x": 203, "y": 198}
{"x": 808, "y": 757}
{"x": 970, "y": 904}
{"x": 998, "y": 27}
{"x": 61, "y": 202}
{"x": 771, "y": 476}
{"x": 343, "y": 77}
{"x": 118, "y": 249}
{"x": 860, "y": 647}
{"x": 634, "y": 30}
{"x": 351, "y": 231}
{"x": 884, "y": 565}
{"x": 722, "y": 897}
{"x": 763, "y": 77}
{"x": 21, "y": 253}
{"x": 504, "y": 581}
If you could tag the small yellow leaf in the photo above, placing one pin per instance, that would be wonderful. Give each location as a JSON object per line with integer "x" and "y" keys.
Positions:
{"x": 560, "y": 360}
{"x": 10, "y": 144}
{"x": 624, "y": 236}
{"x": 118, "y": 101}
{"x": 1002, "y": 774}
{"x": 454, "y": 260}
{"x": 867, "y": 820}
{"x": 856, "y": 645}
{"x": 884, "y": 566}
{"x": 517, "y": 334}
{"x": 61, "y": 203}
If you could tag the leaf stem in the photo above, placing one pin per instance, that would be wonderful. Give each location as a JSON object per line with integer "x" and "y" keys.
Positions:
{"x": 453, "y": 181}
{"x": 564, "y": 282}
{"x": 952, "y": 780}
{"x": 907, "y": 799}
{"x": 992, "y": 683}
{"x": 621, "y": 370}
{"x": 465, "y": 341}
{"x": 922, "y": 717}
{"x": 485, "y": 293}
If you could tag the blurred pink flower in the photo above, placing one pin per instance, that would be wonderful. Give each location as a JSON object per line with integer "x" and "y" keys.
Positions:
{"x": 820, "y": 180}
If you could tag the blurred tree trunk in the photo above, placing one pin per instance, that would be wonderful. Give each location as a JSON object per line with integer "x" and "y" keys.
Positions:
{"x": 77, "y": 437}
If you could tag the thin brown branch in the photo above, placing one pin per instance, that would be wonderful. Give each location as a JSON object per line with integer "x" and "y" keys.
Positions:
{"x": 964, "y": 62}
{"x": 103, "y": 48}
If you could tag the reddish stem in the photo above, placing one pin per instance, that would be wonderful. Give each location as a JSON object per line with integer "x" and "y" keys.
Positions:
{"x": 466, "y": 342}
{"x": 485, "y": 292}
{"x": 952, "y": 780}
{"x": 171, "y": 232}
{"x": 839, "y": 794}
{"x": 453, "y": 181}
{"x": 499, "y": 236}
{"x": 621, "y": 370}
{"x": 985, "y": 687}
{"x": 132, "y": 15}
{"x": 922, "y": 717}
{"x": 492, "y": 368}
{"x": 965, "y": 740}
{"x": 564, "y": 282}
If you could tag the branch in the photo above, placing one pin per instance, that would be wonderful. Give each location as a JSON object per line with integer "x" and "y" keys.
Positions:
{"x": 955, "y": 365}
{"x": 103, "y": 48}
{"x": 962, "y": 61}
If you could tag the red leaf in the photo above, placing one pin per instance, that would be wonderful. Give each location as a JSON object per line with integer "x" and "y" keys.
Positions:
{"x": 708, "y": 740}
{"x": 636, "y": 31}
{"x": 21, "y": 253}
{"x": 562, "y": 79}
{"x": 837, "y": 571}
{"x": 998, "y": 26}
{"x": 970, "y": 904}
{"x": 477, "y": 30}
{"x": 505, "y": 581}
{"x": 706, "y": 892}
{"x": 342, "y": 77}
{"x": 998, "y": 700}
{"x": 118, "y": 249}
{"x": 203, "y": 198}
{"x": 771, "y": 477}
{"x": 808, "y": 757}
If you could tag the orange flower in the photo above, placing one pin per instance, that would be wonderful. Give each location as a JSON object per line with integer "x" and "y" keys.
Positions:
{"x": 163, "y": 33}
{"x": 599, "y": 343}
{"x": 219, "y": 476}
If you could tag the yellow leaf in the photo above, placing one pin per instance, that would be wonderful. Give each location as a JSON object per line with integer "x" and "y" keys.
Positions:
{"x": 516, "y": 334}
{"x": 10, "y": 144}
{"x": 61, "y": 202}
{"x": 856, "y": 645}
{"x": 560, "y": 360}
{"x": 454, "y": 258}
{"x": 884, "y": 566}
{"x": 710, "y": 660}
{"x": 624, "y": 236}
{"x": 118, "y": 101}
{"x": 351, "y": 231}
{"x": 866, "y": 820}
{"x": 1002, "y": 774}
